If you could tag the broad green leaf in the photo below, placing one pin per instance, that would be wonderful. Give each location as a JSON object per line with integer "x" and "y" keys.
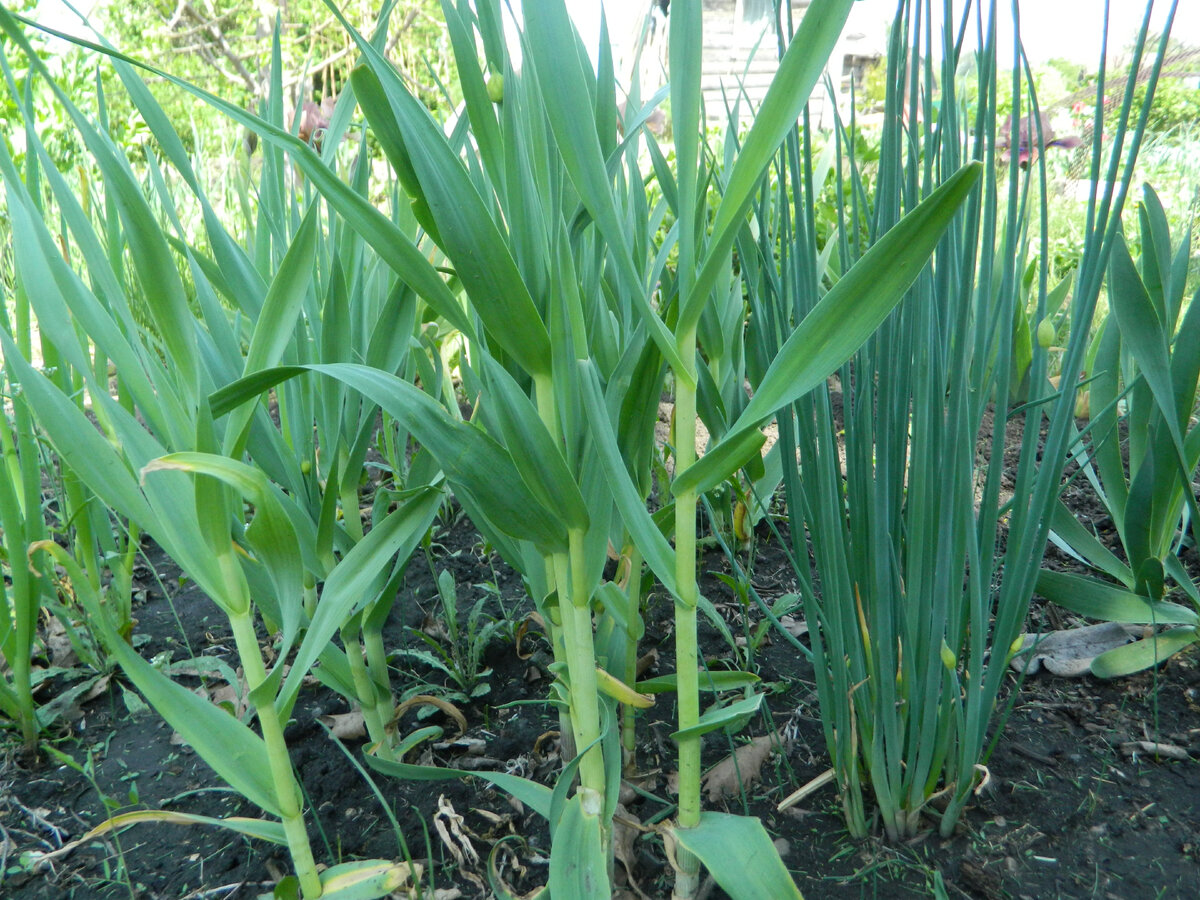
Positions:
{"x": 740, "y": 855}
{"x": 839, "y": 324}
{"x": 534, "y": 452}
{"x": 472, "y": 461}
{"x": 255, "y": 828}
{"x": 76, "y": 440}
{"x": 469, "y": 235}
{"x": 740, "y": 447}
{"x": 719, "y": 680}
{"x": 1144, "y": 653}
{"x": 235, "y": 268}
{"x": 722, "y": 716}
{"x": 563, "y": 85}
{"x": 99, "y": 312}
{"x": 163, "y": 289}
{"x": 276, "y": 325}
{"x": 1185, "y": 359}
{"x": 104, "y": 464}
{"x": 1142, "y": 331}
{"x": 1081, "y": 541}
{"x": 480, "y": 109}
{"x": 270, "y": 533}
{"x": 798, "y": 72}
{"x": 1105, "y": 391}
{"x": 578, "y": 863}
{"x": 616, "y": 604}
{"x": 1099, "y": 600}
{"x": 1156, "y": 255}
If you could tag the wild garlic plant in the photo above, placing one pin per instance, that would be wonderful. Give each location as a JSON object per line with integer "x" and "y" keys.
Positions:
{"x": 926, "y": 557}
{"x": 158, "y": 456}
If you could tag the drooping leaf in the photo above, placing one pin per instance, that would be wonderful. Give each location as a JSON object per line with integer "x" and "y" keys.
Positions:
{"x": 535, "y": 796}
{"x": 255, "y": 828}
{"x": 719, "y": 680}
{"x": 472, "y": 460}
{"x": 1099, "y": 600}
{"x": 1143, "y": 654}
{"x": 233, "y": 751}
{"x": 270, "y": 533}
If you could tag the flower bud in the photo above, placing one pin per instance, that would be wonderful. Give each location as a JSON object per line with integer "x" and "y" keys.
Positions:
{"x": 1046, "y": 332}
{"x": 949, "y": 660}
{"x": 495, "y": 88}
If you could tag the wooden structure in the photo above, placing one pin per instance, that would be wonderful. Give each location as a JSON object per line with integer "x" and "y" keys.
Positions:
{"x": 741, "y": 55}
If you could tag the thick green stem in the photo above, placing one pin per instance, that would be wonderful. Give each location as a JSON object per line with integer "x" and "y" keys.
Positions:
{"x": 581, "y": 663}
{"x": 377, "y": 660}
{"x": 687, "y": 880}
{"x": 544, "y": 397}
{"x": 368, "y": 696}
{"x": 633, "y": 593}
{"x": 566, "y": 730}
{"x": 287, "y": 791}
{"x": 22, "y": 685}
{"x": 309, "y": 595}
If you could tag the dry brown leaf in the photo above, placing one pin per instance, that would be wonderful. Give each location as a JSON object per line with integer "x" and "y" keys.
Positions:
{"x": 348, "y": 726}
{"x": 237, "y": 697}
{"x": 457, "y": 838}
{"x": 436, "y": 629}
{"x": 740, "y": 768}
{"x": 645, "y": 662}
{"x": 97, "y": 689}
{"x": 797, "y": 628}
{"x": 634, "y": 782}
{"x": 493, "y": 818}
{"x": 1069, "y": 653}
{"x": 546, "y": 744}
{"x": 62, "y": 654}
{"x": 429, "y": 700}
{"x": 505, "y": 866}
{"x": 463, "y": 746}
{"x": 626, "y": 827}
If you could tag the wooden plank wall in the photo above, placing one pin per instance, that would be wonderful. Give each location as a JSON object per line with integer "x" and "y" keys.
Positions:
{"x": 732, "y": 59}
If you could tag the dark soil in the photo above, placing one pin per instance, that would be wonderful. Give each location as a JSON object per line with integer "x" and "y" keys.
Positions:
{"x": 1076, "y": 807}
